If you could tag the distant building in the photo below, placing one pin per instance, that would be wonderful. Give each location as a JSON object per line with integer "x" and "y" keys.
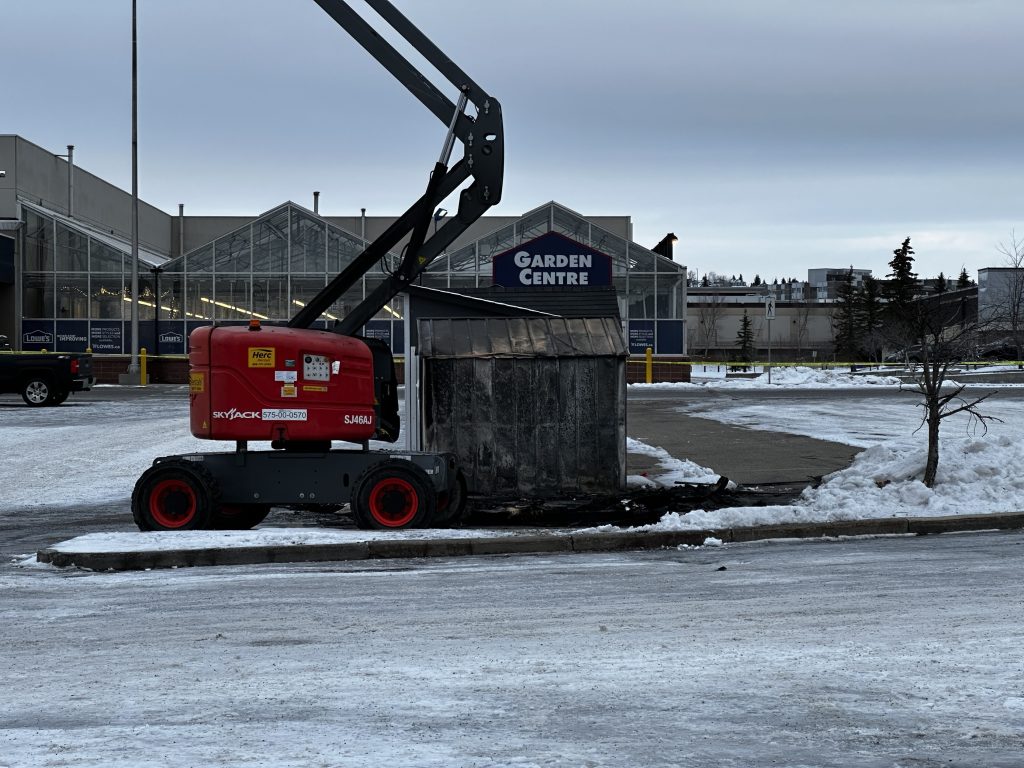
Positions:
{"x": 1000, "y": 292}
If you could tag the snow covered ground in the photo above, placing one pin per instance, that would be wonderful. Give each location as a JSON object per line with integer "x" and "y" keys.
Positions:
{"x": 978, "y": 470}
{"x": 894, "y": 651}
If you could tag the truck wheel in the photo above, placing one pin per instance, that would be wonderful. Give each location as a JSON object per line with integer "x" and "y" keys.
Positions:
{"x": 174, "y": 496}
{"x": 37, "y": 391}
{"x": 393, "y": 494}
{"x": 240, "y": 517}
{"x": 451, "y": 506}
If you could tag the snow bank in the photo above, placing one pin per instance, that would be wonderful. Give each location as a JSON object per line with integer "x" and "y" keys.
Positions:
{"x": 975, "y": 476}
{"x": 789, "y": 376}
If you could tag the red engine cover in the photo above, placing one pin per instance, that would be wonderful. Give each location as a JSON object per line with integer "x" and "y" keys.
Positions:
{"x": 279, "y": 383}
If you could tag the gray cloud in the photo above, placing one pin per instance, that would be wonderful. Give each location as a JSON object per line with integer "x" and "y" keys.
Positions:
{"x": 782, "y": 130}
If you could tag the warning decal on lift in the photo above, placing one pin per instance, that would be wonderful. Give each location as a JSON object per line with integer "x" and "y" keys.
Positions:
{"x": 196, "y": 382}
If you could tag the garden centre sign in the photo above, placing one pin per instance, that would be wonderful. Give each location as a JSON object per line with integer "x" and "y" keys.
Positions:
{"x": 552, "y": 259}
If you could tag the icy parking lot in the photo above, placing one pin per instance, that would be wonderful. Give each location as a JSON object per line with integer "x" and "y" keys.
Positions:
{"x": 877, "y": 652}
{"x": 870, "y": 652}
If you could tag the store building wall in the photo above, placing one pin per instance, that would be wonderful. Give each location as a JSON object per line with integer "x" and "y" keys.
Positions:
{"x": 39, "y": 176}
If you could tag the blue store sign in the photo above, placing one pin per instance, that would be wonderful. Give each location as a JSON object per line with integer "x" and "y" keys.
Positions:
{"x": 37, "y": 335}
{"x": 170, "y": 339}
{"x": 641, "y": 336}
{"x": 105, "y": 336}
{"x": 552, "y": 259}
{"x": 72, "y": 335}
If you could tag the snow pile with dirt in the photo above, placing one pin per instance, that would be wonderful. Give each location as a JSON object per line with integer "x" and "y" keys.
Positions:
{"x": 975, "y": 476}
{"x": 978, "y": 471}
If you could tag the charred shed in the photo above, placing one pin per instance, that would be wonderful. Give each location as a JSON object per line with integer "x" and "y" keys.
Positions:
{"x": 532, "y": 406}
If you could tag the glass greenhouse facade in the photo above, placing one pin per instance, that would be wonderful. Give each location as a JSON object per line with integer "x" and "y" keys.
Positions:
{"x": 76, "y": 284}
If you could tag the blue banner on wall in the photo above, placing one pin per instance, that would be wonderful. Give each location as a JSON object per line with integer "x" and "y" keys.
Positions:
{"x": 641, "y": 336}
{"x": 552, "y": 260}
{"x": 37, "y": 335}
{"x": 105, "y": 337}
{"x": 170, "y": 338}
{"x": 378, "y": 329}
{"x": 670, "y": 337}
{"x": 72, "y": 335}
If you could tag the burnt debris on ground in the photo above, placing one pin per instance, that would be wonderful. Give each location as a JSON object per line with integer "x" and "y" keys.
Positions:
{"x": 639, "y": 506}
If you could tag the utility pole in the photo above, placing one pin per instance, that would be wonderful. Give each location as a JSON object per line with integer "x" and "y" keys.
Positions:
{"x": 133, "y": 366}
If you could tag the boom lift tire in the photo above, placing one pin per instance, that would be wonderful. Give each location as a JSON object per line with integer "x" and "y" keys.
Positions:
{"x": 393, "y": 494}
{"x": 451, "y": 506}
{"x": 175, "y": 495}
{"x": 59, "y": 397}
{"x": 37, "y": 391}
{"x": 240, "y": 517}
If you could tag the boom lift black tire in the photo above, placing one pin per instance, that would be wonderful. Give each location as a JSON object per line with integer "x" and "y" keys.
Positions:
{"x": 239, "y": 517}
{"x": 175, "y": 495}
{"x": 392, "y": 495}
{"x": 59, "y": 397}
{"x": 451, "y": 506}
{"x": 37, "y": 391}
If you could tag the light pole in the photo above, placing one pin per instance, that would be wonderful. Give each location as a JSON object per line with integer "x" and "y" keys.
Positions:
{"x": 133, "y": 365}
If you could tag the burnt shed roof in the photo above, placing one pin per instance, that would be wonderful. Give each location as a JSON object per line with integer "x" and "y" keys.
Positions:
{"x": 521, "y": 337}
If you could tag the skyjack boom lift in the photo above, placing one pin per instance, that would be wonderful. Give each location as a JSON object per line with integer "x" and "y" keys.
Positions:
{"x": 301, "y": 388}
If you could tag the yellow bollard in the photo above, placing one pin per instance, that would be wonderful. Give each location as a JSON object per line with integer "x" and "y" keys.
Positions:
{"x": 142, "y": 366}
{"x": 650, "y": 366}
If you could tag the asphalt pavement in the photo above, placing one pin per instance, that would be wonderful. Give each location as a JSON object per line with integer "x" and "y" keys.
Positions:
{"x": 745, "y": 456}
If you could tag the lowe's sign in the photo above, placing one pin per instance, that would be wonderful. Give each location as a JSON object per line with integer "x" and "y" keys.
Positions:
{"x": 552, "y": 259}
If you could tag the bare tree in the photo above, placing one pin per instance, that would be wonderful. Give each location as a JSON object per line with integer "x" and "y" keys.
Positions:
{"x": 801, "y": 327}
{"x": 709, "y": 311}
{"x": 941, "y": 335}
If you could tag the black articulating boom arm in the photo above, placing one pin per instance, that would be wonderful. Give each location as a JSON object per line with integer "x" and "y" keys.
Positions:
{"x": 483, "y": 161}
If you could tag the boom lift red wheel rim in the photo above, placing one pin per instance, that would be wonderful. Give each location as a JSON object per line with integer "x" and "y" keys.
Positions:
{"x": 393, "y": 502}
{"x": 172, "y": 503}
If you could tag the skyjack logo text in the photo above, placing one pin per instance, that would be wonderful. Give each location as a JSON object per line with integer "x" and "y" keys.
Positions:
{"x": 234, "y": 413}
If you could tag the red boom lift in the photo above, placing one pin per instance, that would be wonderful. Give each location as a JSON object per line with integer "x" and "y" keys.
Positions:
{"x": 301, "y": 388}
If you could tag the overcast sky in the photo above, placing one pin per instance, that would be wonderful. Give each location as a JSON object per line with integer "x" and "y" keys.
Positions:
{"x": 771, "y": 136}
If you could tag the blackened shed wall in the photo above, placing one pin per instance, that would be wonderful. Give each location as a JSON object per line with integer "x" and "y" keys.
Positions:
{"x": 533, "y": 407}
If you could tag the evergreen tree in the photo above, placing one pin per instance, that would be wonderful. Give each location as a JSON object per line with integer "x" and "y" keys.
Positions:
{"x": 941, "y": 283}
{"x": 963, "y": 281}
{"x": 745, "y": 339}
{"x": 904, "y": 280}
{"x": 844, "y": 319}
{"x": 757, "y": 279}
{"x": 704, "y": 281}
{"x": 870, "y": 317}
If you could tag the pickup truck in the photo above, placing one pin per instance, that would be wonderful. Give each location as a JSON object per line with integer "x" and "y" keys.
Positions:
{"x": 45, "y": 378}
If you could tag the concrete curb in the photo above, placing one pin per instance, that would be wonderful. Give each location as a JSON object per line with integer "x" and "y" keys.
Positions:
{"x": 598, "y": 541}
